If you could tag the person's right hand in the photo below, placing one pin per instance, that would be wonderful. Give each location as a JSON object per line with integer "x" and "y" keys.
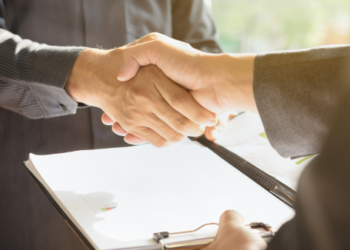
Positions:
{"x": 150, "y": 107}
{"x": 219, "y": 82}
{"x": 233, "y": 235}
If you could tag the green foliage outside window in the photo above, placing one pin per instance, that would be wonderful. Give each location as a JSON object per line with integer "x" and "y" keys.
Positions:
{"x": 267, "y": 25}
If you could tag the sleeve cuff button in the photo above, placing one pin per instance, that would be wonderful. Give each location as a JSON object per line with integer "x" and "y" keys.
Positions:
{"x": 63, "y": 107}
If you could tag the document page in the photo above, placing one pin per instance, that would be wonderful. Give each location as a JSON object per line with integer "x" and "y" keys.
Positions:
{"x": 245, "y": 136}
{"x": 119, "y": 197}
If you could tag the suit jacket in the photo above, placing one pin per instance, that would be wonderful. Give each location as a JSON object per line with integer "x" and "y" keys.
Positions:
{"x": 303, "y": 98}
{"x": 295, "y": 92}
{"x": 32, "y": 77}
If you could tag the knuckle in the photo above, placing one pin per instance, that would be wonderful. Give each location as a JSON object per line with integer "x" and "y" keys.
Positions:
{"x": 201, "y": 117}
{"x": 199, "y": 130}
{"x": 154, "y": 35}
{"x": 150, "y": 73}
{"x": 140, "y": 96}
{"x": 160, "y": 42}
{"x": 152, "y": 70}
{"x": 183, "y": 125}
{"x": 188, "y": 45}
{"x": 178, "y": 101}
{"x": 176, "y": 137}
{"x": 128, "y": 125}
{"x": 161, "y": 143}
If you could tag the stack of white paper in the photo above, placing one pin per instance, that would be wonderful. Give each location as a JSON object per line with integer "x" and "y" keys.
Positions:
{"x": 119, "y": 197}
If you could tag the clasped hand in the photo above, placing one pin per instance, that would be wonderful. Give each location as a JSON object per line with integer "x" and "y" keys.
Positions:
{"x": 150, "y": 107}
{"x": 218, "y": 83}
{"x": 159, "y": 90}
{"x": 204, "y": 76}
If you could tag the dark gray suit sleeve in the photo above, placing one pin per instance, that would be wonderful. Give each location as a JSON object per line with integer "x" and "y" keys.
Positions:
{"x": 193, "y": 24}
{"x": 322, "y": 211}
{"x": 32, "y": 76}
{"x": 295, "y": 92}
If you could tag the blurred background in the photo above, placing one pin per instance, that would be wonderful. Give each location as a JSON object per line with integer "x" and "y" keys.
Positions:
{"x": 270, "y": 25}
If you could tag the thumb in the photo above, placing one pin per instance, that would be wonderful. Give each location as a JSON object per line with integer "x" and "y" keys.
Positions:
{"x": 129, "y": 69}
{"x": 226, "y": 238}
{"x": 135, "y": 56}
{"x": 168, "y": 54}
{"x": 231, "y": 217}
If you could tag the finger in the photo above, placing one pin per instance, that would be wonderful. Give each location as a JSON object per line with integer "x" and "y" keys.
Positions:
{"x": 129, "y": 69}
{"x": 177, "y": 121}
{"x": 116, "y": 128}
{"x": 231, "y": 217}
{"x": 106, "y": 119}
{"x": 147, "y": 38}
{"x": 213, "y": 133}
{"x": 226, "y": 117}
{"x": 149, "y": 135}
{"x": 134, "y": 140}
{"x": 134, "y": 57}
{"x": 182, "y": 101}
{"x": 164, "y": 130}
{"x": 229, "y": 223}
{"x": 149, "y": 52}
{"x": 152, "y": 121}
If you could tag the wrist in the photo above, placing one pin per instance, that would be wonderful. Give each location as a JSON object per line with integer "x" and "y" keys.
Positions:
{"x": 234, "y": 81}
{"x": 86, "y": 81}
{"x": 241, "y": 74}
{"x": 79, "y": 81}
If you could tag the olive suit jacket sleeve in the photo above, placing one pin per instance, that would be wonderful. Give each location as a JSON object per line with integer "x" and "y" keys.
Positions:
{"x": 298, "y": 95}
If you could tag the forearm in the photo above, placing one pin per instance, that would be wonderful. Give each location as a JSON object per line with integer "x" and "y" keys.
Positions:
{"x": 32, "y": 77}
{"x": 231, "y": 76}
{"x": 295, "y": 92}
{"x": 88, "y": 81}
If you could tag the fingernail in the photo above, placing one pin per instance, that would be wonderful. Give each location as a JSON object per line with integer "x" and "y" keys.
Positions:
{"x": 212, "y": 122}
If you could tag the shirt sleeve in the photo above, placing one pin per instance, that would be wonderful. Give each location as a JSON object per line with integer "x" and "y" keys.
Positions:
{"x": 193, "y": 24}
{"x": 33, "y": 76}
{"x": 295, "y": 92}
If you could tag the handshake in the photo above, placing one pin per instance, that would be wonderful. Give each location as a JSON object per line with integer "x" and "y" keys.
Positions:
{"x": 159, "y": 90}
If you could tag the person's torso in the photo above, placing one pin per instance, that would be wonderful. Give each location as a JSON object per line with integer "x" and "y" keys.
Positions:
{"x": 105, "y": 24}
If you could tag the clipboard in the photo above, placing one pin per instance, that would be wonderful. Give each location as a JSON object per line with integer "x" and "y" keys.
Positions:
{"x": 266, "y": 233}
{"x": 269, "y": 183}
